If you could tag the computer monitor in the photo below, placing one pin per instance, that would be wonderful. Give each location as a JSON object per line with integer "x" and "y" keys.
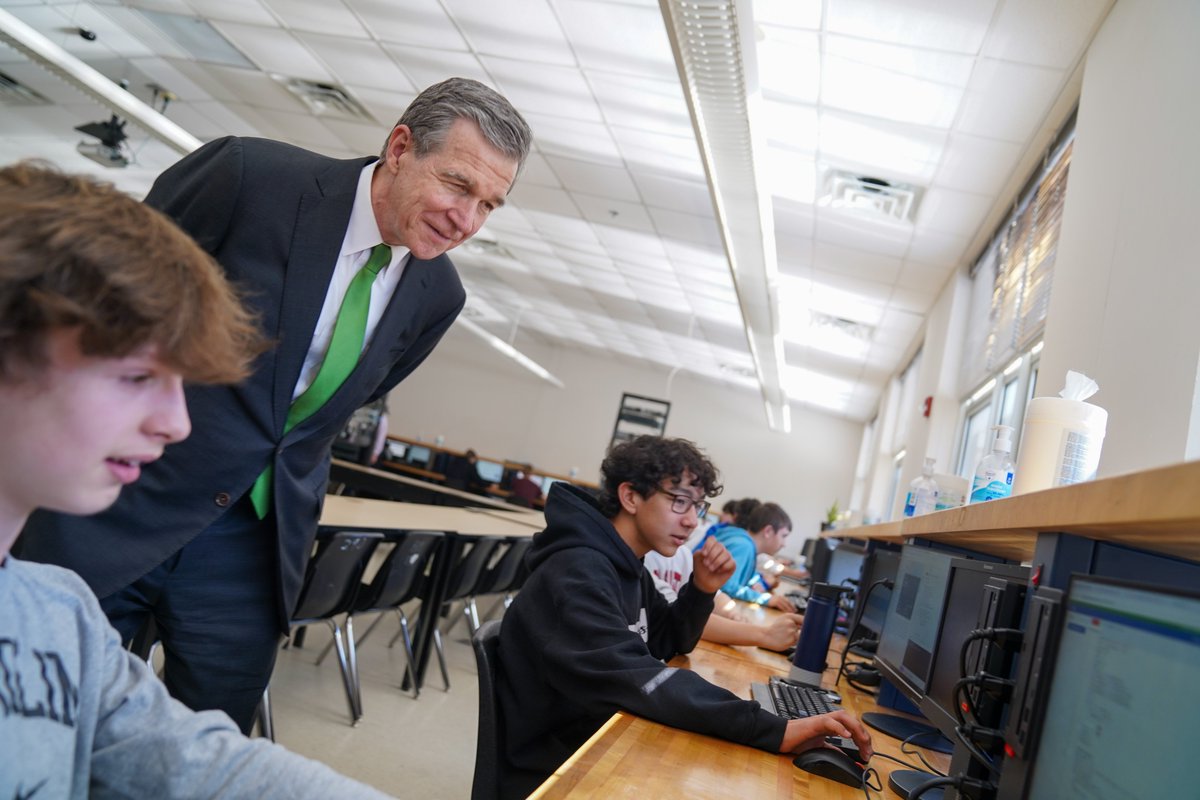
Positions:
{"x": 819, "y": 557}
{"x": 1123, "y": 692}
{"x": 870, "y": 610}
{"x": 980, "y": 595}
{"x": 547, "y": 482}
{"x": 417, "y": 455}
{"x": 914, "y": 617}
{"x": 845, "y": 565}
{"x": 490, "y": 471}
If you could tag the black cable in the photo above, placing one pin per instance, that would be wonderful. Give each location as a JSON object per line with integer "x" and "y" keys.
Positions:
{"x": 997, "y": 635}
{"x": 932, "y": 783}
{"x": 919, "y": 754}
{"x": 868, "y": 773}
{"x": 980, "y": 756}
{"x": 902, "y": 762}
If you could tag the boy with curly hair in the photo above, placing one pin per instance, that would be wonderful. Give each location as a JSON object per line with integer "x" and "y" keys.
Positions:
{"x": 588, "y": 634}
{"x": 106, "y": 308}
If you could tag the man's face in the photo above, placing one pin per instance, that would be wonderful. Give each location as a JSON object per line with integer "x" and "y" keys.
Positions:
{"x": 658, "y": 526}
{"x": 773, "y": 539}
{"x": 434, "y": 203}
{"x": 79, "y": 430}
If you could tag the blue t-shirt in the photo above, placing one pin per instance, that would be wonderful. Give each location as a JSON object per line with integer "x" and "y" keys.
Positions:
{"x": 745, "y": 554}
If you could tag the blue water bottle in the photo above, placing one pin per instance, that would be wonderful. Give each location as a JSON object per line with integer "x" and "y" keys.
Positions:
{"x": 808, "y": 662}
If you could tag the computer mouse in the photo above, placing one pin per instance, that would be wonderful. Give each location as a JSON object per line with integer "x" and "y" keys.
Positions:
{"x": 828, "y": 762}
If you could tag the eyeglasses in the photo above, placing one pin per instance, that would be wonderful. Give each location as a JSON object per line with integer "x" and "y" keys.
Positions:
{"x": 680, "y": 503}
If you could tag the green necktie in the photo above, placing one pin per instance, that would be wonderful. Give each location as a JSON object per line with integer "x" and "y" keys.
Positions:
{"x": 344, "y": 348}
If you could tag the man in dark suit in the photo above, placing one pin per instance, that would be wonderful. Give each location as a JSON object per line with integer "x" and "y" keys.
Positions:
{"x": 213, "y": 541}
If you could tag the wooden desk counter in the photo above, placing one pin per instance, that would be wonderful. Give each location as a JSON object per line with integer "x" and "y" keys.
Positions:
{"x": 362, "y": 514}
{"x": 1156, "y": 510}
{"x": 633, "y": 757}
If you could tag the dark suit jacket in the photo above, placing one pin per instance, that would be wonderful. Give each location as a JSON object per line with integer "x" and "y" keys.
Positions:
{"x": 274, "y": 216}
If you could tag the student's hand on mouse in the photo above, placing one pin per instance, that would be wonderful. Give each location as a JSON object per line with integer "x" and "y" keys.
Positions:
{"x": 782, "y": 633}
{"x": 712, "y": 566}
{"x": 781, "y": 603}
{"x": 805, "y": 734}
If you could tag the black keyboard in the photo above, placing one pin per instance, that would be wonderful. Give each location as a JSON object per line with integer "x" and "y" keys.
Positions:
{"x": 796, "y": 702}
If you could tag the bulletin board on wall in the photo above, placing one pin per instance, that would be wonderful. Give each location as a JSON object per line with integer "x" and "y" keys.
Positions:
{"x": 638, "y": 416}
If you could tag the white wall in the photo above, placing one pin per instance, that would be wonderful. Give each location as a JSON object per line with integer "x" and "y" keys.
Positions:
{"x": 1124, "y": 307}
{"x": 475, "y": 398}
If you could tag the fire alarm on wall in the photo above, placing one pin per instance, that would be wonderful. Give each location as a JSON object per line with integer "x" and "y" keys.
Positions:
{"x": 927, "y": 407}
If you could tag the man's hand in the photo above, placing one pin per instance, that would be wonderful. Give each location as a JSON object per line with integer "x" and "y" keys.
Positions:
{"x": 781, "y": 603}
{"x": 712, "y": 566}
{"x": 781, "y": 634}
{"x": 805, "y": 734}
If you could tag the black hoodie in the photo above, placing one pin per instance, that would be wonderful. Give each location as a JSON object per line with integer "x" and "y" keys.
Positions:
{"x": 587, "y": 637}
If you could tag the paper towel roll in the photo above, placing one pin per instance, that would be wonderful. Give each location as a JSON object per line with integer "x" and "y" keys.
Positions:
{"x": 1060, "y": 443}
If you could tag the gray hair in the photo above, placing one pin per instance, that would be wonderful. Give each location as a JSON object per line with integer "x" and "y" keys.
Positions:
{"x": 430, "y": 115}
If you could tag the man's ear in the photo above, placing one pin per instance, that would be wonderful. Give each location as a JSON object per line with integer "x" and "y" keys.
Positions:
{"x": 399, "y": 142}
{"x": 628, "y": 497}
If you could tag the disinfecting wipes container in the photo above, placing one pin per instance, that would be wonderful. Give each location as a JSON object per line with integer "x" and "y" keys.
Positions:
{"x": 952, "y": 490}
{"x": 1060, "y": 443}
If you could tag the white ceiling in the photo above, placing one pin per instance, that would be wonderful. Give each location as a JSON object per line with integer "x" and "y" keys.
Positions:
{"x": 609, "y": 241}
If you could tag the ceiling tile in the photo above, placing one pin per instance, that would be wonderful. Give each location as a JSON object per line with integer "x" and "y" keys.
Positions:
{"x": 689, "y": 196}
{"x": 363, "y": 63}
{"x": 623, "y": 243}
{"x": 603, "y": 211}
{"x": 687, "y": 227}
{"x": 319, "y": 16}
{"x": 903, "y": 84}
{"x": 617, "y": 37}
{"x": 789, "y": 64}
{"x": 790, "y": 175}
{"x": 672, "y": 155}
{"x": 544, "y": 88}
{"x": 426, "y": 66}
{"x": 410, "y": 22}
{"x": 850, "y": 228}
{"x": 856, "y": 263}
{"x": 386, "y": 105}
{"x": 925, "y": 278}
{"x": 598, "y": 179}
{"x": 635, "y": 101}
{"x": 791, "y": 125}
{"x": 790, "y": 13}
{"x": 973, "y": 164}
{"x": 948, "y": 211}
{"x": 274, "y": 50}
{"x": 938, "y": 249}
{"x": 531, "y": 197}
{"x": 359, "y": 137}
{"x": 957, "y": 27}
{"x": 893, "y": 151}
{"x": 1008, "y": 101}
{"x": 572, "y": 138}
{"x": 914, "y": 300}
{"x": 537, "y": 170}
{"x": 251, "y": 12}
{"x": 527, "y": 29}
{"x": 1045, "y": 34}
{"x": 852, "y": 298}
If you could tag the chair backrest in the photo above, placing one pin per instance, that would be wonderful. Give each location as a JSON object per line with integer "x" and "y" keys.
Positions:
{"x": 470, "y": 567}
{"x": 333, "y": 575}
{"x": 488, "y": 744}
{"x": 503, "y": 575}
{"x": 400, "y": 576}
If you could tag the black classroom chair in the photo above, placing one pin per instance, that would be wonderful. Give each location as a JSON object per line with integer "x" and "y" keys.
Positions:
{"x": 463, "y": 580}
{"x": 504, "y": 578}
{"x": 331, "y": 585}
{"x": 398, "y": 581}
{"x": 488, "y": 743}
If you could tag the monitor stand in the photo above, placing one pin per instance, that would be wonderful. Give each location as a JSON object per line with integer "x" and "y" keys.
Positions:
{"x": 904, "y": 781}
{"x": 902, "y": 728}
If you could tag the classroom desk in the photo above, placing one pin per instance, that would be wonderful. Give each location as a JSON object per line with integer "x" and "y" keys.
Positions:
{"x": 457, "y": 525}
{"x": 406, "y": 489}
{"x": 634, "y": 757}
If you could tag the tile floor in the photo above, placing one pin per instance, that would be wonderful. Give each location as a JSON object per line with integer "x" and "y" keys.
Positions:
{"x": 423, "y": 748}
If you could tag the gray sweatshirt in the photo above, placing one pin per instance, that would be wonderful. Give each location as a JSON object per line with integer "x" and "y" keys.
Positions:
{"x": 81, "y": 717}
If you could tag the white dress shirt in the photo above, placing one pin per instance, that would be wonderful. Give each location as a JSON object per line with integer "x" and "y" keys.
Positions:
{"x": 362, "y": 234}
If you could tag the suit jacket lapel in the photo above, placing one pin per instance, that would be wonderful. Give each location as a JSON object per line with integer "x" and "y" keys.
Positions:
{"x": 320, "y": 228}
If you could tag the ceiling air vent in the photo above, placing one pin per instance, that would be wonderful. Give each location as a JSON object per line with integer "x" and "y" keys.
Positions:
{"x": 325, "y": 99}
{"x": 859, "y": 330}
{"x": 15, "y": 93}
{"x": 875, "y": 196}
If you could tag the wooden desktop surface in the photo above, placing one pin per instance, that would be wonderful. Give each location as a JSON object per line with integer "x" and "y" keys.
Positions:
{"x": 634, "y": 757}
{"x": 361, "y": 514}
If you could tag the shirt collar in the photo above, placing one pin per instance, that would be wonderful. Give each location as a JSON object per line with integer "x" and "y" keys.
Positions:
{"x": 363, "y": 231}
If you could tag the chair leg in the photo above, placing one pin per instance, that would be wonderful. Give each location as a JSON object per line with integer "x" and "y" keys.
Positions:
{"x": 441, "y": 654}
{"x": 352, "y": 652}
{"x": 472, "y": 612}
{"x": 408, "y": 654}
{"x": 348, "y": 682}
{"x": 266, "y": 721}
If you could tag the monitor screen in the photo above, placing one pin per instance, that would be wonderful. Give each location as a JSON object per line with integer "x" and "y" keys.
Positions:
{"x": 964, "y": 612}
{"x": 395, "y": 451}
{"x": 547, "y": 482}
{"x": 490, "y": 471}
{"x": 1123, "y": 692}
{"x": 845, "y": 564}
{"x": 879, "y": 565}
{"x": 914, "y": 617}
{"x": 417, "y": 455}
{"x": 818, "y": 560}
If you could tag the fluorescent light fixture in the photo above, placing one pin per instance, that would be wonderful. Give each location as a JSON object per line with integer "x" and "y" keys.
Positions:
{"x": 899, "y": 456}
{"x": 1014, "y": 366}
{"x": 817, "y": 388}
{"x": 787, "y": 416}
{"x": 1037, "y": 348}
{"x": 982, "y": 391}
{"x": 512, "y": 352}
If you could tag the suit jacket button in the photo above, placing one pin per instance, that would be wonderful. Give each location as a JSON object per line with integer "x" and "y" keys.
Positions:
{"x": 222, "y": 499}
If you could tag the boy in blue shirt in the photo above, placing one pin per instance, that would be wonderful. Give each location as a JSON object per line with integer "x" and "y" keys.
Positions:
{"x": 769, "y": 526}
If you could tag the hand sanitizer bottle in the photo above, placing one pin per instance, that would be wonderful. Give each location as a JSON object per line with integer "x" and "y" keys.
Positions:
{"x": 922, "y": 492}
{"x": 994, "y": 478}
